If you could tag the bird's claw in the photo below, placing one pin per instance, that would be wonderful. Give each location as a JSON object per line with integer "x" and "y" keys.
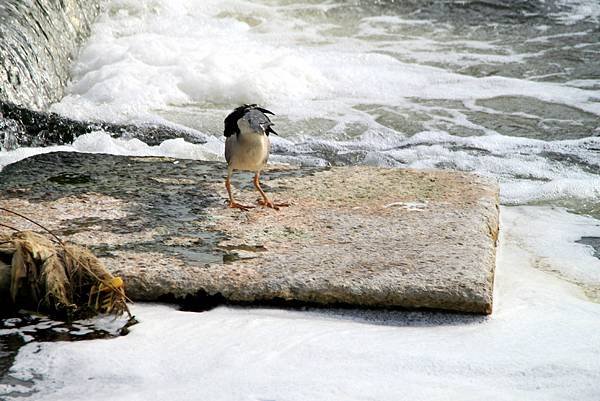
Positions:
{"x": 235, "y": 205}
{"x": 271, "y": 204}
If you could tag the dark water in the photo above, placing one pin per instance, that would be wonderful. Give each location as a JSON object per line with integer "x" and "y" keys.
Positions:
{"x": 594, "y": 242}
{"x": 25, "y": 328}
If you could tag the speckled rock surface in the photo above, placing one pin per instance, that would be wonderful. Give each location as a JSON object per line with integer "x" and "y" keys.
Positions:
{"x": 357, "y": 236}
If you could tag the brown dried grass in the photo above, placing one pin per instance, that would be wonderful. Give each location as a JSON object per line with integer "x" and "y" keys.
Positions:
{"x": 59, "y": 277}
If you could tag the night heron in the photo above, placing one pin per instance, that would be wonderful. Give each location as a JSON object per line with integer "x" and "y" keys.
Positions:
{"x": 247, "y": 146}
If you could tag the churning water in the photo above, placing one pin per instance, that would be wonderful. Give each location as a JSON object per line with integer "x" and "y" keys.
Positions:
{"x": 507, "y": 89}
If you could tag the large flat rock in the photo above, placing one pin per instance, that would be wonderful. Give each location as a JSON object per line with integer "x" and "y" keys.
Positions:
{"x": 358, "y": 236}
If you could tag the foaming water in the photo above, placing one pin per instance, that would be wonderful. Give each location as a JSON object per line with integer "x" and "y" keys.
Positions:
{"x": 100, "y": 142}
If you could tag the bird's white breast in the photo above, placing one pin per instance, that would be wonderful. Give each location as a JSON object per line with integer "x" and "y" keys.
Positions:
{"x": 248, "y": 151}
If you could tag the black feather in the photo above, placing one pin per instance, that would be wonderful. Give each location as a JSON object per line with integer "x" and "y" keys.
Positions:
{"x": 270, "y": 130}
{"x": 262, "y": 110}
{"x": 231, "y": 120}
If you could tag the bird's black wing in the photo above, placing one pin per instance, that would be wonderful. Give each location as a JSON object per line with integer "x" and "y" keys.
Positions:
{"x": 254, "y": 106}
{"x": 270, "y": 130}
{"x": 231, "y": 120}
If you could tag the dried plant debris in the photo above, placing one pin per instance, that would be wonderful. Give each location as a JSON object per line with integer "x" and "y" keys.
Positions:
{"x": 61, "y": 279}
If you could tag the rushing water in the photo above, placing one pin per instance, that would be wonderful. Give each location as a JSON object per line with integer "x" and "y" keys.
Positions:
{"x": 507, "y": 89}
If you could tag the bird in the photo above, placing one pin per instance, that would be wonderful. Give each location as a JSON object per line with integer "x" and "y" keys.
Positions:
{"x": 247, "y": 148}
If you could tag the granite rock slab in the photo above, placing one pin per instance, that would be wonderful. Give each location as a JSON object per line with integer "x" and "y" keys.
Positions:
{"x": 353, "y": 236}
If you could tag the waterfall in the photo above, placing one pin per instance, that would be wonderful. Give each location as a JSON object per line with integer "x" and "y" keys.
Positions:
{"x": 38, "y": 41}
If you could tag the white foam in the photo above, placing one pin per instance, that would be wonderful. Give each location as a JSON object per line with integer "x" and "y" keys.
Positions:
{"x": 525, "y": 172}
{"x": 550, "y": 235}
{"x": 521, "y": 165}
{"x": 13, "y": 156}
{"x": 578, "y": 11}
{"x": 146, "y": 57}
{"x": 517, "y": 192}
{"x": 101, "y": 142}
{"x": 25, "y": 331}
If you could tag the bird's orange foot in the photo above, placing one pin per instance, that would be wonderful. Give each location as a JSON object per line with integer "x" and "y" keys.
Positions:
{"x": 271, "y": 204}
{"x": 235, "y": 205}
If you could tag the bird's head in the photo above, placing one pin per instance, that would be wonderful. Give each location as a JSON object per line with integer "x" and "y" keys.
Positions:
{"x": 254, "y": 121}
{"x": 249, "y": 119}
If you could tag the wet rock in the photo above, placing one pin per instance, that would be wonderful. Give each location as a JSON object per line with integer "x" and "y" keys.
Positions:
{"x": 5, "y": 275}
{"x": 358, "y": 236}
{"x": 20, "y": 126}
{"x": 38, "y": 41}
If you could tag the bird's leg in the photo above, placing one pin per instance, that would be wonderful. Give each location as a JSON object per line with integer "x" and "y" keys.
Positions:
{"x": 233, "y": 203}
{"x": 265, "y": 200}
